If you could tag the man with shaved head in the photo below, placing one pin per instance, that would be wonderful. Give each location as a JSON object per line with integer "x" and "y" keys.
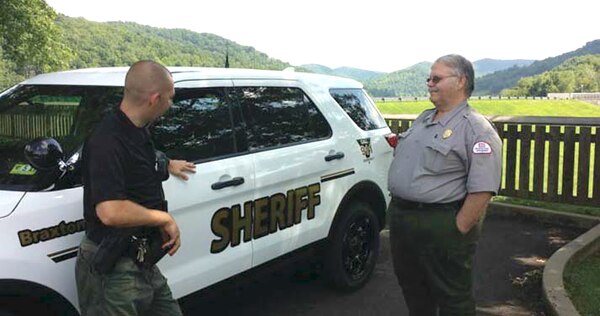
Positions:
{"x": 124, "y": 206}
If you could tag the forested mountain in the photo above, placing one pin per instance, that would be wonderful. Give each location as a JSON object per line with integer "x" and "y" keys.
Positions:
{"x": 486, "y": 66}
{"x": 411, "y": 81}
{"x": 63, "y": 42}
{"x": 348, "y": 72}
{"x": 577, "y": 74}
{"x": 93, "y": 44}
{"x": 122, "y": 43}
{"x": 496, "y": 82}
{"x": 358, "y": 74}
{"x": 406, "y": 82}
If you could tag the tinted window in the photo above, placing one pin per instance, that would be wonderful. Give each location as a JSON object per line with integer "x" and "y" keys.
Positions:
{"x": 198, "y": 126}
{"x": 66, "y": 113}
{"x": 277, "y": 116}
{"x": 359, "y": 107}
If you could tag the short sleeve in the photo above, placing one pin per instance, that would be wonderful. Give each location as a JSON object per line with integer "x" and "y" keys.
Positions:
{"x": 106, "y": 165}
{"x": 485, "y": 169}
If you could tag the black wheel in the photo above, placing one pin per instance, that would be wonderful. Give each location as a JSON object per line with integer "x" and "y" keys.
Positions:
{"x": 24, "y": 306}
{"x": 19, "y": 306}
{"x": 353, "y": 247}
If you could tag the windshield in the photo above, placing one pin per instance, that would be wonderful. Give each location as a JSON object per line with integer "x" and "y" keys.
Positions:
{"x": 66, "y": 113}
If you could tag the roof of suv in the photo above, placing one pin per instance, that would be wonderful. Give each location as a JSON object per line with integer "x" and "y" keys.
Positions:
{"x": 115, "y": 76}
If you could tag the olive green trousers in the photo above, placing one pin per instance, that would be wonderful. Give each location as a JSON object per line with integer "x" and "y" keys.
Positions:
{"x": 126, "y": 290}
{"x": 432, "y": 259}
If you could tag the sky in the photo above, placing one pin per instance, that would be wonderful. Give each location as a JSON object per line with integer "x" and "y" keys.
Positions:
{"x": 379, "y": 35}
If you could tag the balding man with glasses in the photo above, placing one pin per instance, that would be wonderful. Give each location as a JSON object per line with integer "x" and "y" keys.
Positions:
{"x": 446, "y": 168}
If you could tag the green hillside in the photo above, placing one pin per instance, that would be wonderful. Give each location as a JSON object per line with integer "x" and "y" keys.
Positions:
{"x": 407, "y": 82}
{"x": 357, "y": 74}
{"x": 486, "y": 66}
{"x": 41, "y": 41}
{"x": 122, "y": 43}
{"x": 494, "y": 83}
{"x": 573, "y": 108}
{"x": 577, "y": 74}
{"x": 348, "y": 72}
{"x": 410, "y": 81}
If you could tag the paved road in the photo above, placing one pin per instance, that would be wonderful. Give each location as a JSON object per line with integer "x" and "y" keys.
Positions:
{"x": 510, "y": 257}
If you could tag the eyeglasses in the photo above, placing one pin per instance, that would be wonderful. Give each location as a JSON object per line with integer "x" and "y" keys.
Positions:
{"x": 436, "y": 79}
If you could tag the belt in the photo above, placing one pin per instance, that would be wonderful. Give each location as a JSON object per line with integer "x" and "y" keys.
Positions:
{"x": 96, "y": 238}
{"x": 420, "y": 205}
{"x": 97, "y": 235}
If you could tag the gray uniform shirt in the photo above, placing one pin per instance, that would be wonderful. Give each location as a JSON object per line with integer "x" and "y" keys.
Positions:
{"x": 440, "y": 162}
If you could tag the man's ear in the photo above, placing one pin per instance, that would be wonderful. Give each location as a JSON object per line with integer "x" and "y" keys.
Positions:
{"x": 462, "y": 82}
{"x": 154, "y": 99}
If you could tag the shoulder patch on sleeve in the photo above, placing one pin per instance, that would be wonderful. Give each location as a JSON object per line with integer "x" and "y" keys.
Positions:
{"x": 482, "y": 148}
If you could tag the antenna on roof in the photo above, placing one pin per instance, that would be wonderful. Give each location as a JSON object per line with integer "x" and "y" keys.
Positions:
{"x": 227, "y": 57}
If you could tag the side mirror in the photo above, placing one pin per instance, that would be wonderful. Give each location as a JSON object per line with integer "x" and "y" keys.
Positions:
{"x": 44, "y": 154}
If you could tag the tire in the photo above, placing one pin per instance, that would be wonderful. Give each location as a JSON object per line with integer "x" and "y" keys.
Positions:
{"x": 24, "y": 306}
{"x": 19, "y": 307}
{"x": 352, "y": 247}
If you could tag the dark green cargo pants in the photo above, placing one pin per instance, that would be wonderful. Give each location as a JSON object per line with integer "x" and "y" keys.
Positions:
{"x": 127, "y": 290}
{"x": 432, "y": 259}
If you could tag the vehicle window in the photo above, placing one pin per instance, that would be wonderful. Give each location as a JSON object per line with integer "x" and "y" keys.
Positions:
{"x": 359, "y": 107}
{"x": 277, "y": 116}
{"x": 65, "y": 113}
{"x": 198, "y": 126}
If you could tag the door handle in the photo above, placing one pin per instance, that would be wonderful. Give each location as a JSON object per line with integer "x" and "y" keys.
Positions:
{"x": 338, "y": 155}
{"x": 229, "y": 183}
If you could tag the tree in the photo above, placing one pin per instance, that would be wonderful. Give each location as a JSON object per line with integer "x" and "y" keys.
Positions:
{"x": 8, "y": 77}
{"x": 29, "y": 37}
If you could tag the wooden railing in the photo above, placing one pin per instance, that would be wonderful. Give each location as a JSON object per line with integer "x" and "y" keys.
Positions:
{"x": 554, "y": 159}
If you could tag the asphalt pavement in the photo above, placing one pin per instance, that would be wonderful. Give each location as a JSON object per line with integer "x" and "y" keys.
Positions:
{"x": 508, "y": 272}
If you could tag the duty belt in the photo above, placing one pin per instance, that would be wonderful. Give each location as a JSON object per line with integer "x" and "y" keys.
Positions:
{"x": 420, "y": 205}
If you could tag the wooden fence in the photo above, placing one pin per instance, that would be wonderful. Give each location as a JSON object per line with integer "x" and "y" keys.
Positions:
{"x": 553, "y": 159}
{"x": 29, "y": 126}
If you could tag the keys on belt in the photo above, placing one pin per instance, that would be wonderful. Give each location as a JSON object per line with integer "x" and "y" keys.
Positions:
{"x": 141, "y": 248}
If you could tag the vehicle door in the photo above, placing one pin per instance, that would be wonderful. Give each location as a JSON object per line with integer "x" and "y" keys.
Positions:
{"x": 200, "y": 127}
{"x": 293, "y": 151}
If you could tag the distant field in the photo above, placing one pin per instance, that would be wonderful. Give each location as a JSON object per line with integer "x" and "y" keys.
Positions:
{"x": 573, "y": 108}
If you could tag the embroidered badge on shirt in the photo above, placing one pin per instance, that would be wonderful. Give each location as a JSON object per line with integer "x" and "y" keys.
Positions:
{"x": 447, "y": 133}
{"x": 482, "y": 148}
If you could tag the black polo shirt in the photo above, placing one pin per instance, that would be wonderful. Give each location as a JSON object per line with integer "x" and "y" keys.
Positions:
{"x": 119, "y": 163}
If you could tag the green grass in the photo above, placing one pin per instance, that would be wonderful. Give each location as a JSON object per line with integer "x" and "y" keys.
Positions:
{"x": 582, "y": 282}
{"x": 574, "y": 108}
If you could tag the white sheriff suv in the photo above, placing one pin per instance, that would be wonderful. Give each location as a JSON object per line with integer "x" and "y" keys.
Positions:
{"x": 285, "y": 161}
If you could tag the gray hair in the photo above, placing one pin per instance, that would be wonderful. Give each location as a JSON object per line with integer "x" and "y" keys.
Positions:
{"x": 460, "y": 67}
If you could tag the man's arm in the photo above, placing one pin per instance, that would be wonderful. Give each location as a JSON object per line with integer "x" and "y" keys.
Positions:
{"x": 472, "y": 210}
{"x": 124, "y": 213}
